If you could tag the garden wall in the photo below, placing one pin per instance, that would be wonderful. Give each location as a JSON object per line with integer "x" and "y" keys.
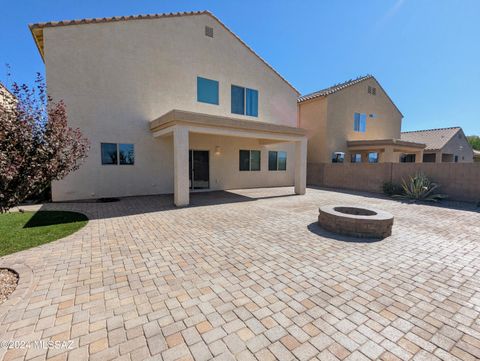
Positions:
{"x": 460, "y": 181}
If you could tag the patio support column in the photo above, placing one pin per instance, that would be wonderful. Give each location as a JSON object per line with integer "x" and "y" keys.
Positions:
{"x": 300, "y": 166}
{"x": 181, "y": 193}
{"x": 419, "y": 157}
{"x": 389, "y": 155}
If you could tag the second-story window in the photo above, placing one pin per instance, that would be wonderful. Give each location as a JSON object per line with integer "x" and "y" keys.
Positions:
{"x": 360, "y": 122}
{"x": 244, "y": 101}
{"x": 207, "y": 90}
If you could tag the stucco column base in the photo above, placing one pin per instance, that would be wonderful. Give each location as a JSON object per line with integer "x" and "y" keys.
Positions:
{"x": 180, "y": 163}
{"x": 300, "y": 166}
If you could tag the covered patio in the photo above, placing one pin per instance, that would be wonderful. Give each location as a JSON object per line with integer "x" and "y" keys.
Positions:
{"x": 196, "y": 130}
{"x": 388, "y": 150}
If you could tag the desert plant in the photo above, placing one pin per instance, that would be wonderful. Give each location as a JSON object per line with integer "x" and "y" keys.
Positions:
{"x": 390, "y": 188}
{"x": 36, "y": 144}
{"x": 420, "y": 188}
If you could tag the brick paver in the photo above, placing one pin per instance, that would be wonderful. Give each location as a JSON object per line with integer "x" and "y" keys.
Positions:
{"x": 248, "y": 275}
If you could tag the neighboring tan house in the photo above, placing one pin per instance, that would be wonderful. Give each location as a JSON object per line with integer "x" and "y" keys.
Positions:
{"x": 476, "y": 155}
{"x": 444, "y": 145}
{"x": 171, "y": 103}
{"x": 7, "y": 99}
{"x": 355, "y": 121}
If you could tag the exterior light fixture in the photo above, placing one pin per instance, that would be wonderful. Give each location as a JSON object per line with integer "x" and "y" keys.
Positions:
{"x": 217, "y": 150}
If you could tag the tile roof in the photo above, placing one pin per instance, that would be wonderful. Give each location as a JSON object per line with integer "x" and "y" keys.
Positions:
{"x": 435, "y": 139}
{"x": 333, "y": 89}
{"x": 337, "y": 87}
{"x": 37, "y": 30}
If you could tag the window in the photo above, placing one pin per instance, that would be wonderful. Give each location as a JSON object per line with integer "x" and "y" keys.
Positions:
{"x": 238, "y": 100}
{"x": 360, "y": 122}
{"x": 372, "y": 90}
{"x": 249, "y": 160}
{"x": 115, "y": 154}
{"x": 209, "y": 31}
{"x": 373, "y": 157}
{"x": 356, "y": 158}
{"x": 408, "y": 158}
{"x": 109, "y": 153}
{"x": 277, "y": 160}
{"x": 252, "y": 102}
{"x": 126, "y": 154}
{"x": 338, "y": 157}
{"x": 207, "y": 91}
{"x": 244, "y": 101}
{"x": 456, "y": 159}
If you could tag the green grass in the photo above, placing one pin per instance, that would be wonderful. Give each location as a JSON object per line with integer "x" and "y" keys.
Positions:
{"x": 19, "y": 231}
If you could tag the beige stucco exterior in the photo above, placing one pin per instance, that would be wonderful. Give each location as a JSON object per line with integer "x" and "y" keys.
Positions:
{"x": 329, "y": 121}
{"x": 116, "y": 77}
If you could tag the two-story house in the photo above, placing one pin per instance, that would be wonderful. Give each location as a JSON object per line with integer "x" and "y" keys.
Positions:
{"x": 171, "y": 103}
{"x": 356, "y": 122}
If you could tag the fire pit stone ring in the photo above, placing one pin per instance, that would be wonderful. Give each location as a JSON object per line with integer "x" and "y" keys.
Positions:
{"x": 356, "y": 221}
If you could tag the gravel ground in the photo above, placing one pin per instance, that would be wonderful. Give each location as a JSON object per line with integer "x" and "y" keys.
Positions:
{"x": 8, "y": 283}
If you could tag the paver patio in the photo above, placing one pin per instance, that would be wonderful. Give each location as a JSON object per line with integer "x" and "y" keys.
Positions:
{"x": 250, "y": 276}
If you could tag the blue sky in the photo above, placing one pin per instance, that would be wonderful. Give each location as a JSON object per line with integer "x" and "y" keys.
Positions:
{"x": 425, "y": 53}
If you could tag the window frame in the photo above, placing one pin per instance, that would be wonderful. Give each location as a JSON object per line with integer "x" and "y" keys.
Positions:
{"x": 101, "y": 153}
{"x": 376, "y": 159}
{"x": 277, "y": 160}
{"x": 250, "y": 152}
{"x": 117, "y": 153}
{"x": 119, "y": 146}
{"x": 359, "y": 122}
{"x": 246, "y": 110}
{"x": 202, "y": 99}
{"x": 353, "y": 158}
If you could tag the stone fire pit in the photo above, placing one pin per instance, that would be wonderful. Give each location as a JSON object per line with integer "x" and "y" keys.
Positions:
{"x": 356, "y": 221}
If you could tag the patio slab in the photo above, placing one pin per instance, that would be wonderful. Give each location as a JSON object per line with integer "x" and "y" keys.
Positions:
{"x": 249, "y": 275}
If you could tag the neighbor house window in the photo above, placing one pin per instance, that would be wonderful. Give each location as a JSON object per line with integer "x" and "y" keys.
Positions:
{"x": 249, "y": 160}
{"x": 244, "y": 101}
{"x": 113, "y": 153}
{"x": 356, "y": 158}
{"x": 373, "y": 157}
{"x": 207, "y": 90}
{"x": 338, "y": 157}
{"x": 277, "y": 160}
{"x": 209, "y": 31}
{"x": 360, "y": 122}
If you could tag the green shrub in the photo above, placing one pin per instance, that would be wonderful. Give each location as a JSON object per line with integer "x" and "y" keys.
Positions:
{"x": 420, "y": 188}
{"x": 390, "y": 188}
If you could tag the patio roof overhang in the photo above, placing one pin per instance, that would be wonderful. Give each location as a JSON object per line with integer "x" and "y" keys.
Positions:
{"x": 225, "y": 126}
{"x": 398, "y": 145}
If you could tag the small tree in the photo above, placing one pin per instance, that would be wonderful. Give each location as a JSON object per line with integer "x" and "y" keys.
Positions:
{"x": 474, "y": 141}
{"x": 36, "y": 144}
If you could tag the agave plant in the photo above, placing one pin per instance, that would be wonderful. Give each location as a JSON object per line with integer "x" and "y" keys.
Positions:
{"x": 420, "y": 188}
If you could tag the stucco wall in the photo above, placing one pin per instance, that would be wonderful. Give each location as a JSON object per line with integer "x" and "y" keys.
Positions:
{"x": 337, "y": 125}
{"x": 458, "y": 180}
{"x": 116, "y": 77}
{"x": 313, "y": 118}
